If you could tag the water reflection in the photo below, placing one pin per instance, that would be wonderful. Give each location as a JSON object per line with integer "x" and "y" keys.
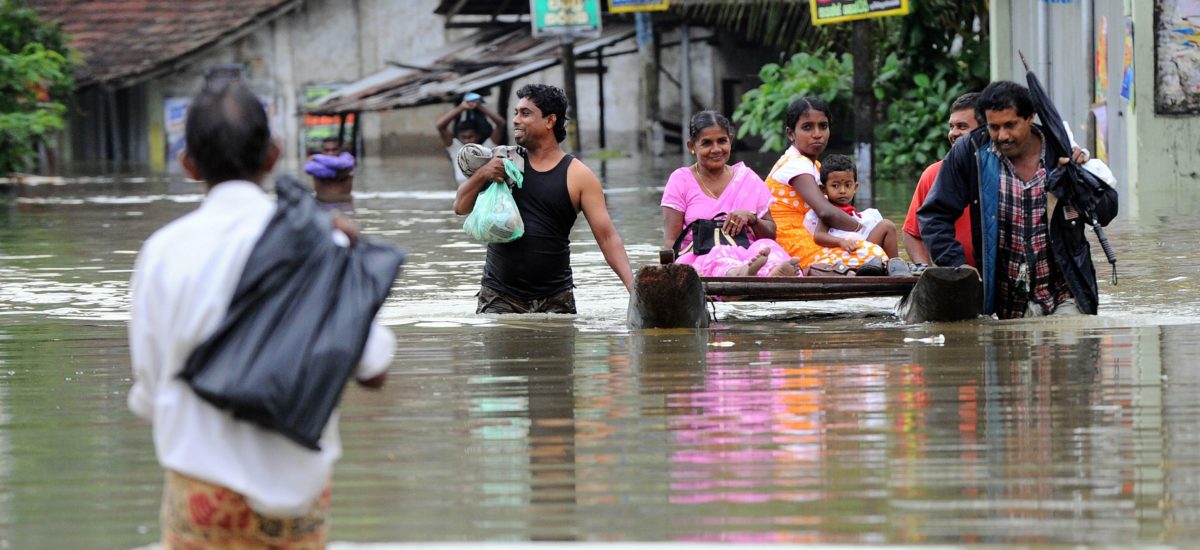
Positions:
{"x": 782, "y": 423}
{"x": 960, "y": 443}
{"x": 535, "y": 368}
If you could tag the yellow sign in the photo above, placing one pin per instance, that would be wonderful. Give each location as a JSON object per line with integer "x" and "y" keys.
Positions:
{"x": 838, "y": 11}
{"x": 627, "y": 6}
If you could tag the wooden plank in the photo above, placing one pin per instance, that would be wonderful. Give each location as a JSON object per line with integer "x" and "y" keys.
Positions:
{"x": 780, "y": 289}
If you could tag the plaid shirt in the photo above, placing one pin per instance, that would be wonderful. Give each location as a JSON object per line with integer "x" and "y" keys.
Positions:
{"x": 1024, "y": 267}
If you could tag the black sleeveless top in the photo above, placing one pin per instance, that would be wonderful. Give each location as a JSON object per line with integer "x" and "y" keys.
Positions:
{"x": 538, "y": 265}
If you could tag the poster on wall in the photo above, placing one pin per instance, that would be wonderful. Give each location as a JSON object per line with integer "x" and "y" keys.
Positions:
{"x": 1127, "y": 65}
{"x": 175, "y": 126}
{"x": 1101, "y": 70}
{"x": 1100, "y": 145}
{"x": 174, "y": 121}
{"x": 1177, "y": 57}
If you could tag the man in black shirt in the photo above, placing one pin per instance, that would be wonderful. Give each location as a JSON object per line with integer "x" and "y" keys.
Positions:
{"x": 533, "y": 274}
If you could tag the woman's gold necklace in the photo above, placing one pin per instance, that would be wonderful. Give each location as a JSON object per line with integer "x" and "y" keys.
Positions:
{"x": 701, "y": 177}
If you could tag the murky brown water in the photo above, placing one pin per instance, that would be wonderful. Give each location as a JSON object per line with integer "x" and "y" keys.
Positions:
{"x": 811, "y": 422}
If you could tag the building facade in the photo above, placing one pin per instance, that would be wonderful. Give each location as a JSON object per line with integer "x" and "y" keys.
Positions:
{"x": 144, "y": 60}
{"x": 1126, "y": 76}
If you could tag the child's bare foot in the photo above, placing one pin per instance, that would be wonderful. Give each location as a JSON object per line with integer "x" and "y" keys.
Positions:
{"x": 758, "y": 261}
{"x": 750, "y": 268}
{"x": 790, "y": 268}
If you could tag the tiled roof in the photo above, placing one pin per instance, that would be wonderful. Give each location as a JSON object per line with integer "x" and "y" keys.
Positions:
{"x": 127, "y": 40}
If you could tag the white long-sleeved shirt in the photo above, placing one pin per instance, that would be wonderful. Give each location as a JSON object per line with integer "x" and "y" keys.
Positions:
{"x": 183, "y": 281}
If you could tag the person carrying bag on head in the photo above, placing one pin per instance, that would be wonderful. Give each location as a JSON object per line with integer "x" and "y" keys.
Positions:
{"x": 228, "y": 480}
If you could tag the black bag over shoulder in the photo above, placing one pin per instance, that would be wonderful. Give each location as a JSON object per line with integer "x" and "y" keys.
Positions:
{"x": 708, "y": 233}
{"x": 297, "y": 324}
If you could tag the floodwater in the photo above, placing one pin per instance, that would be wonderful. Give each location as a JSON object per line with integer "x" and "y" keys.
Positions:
{"x": 824, "y": 422}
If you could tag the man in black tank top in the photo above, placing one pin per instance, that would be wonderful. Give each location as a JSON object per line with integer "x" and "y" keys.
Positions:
{"x": 533, "y": 274}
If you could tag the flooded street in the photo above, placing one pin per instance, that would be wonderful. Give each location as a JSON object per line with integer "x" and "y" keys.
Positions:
{"x": 824, "y": 422}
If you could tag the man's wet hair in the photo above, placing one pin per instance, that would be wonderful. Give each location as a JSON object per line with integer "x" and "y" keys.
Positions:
{"x": 228, "y": 136}
{"x": 707, "y": 119}
{"x": 837, "y": 163}
{"x": 1001, "y": 95}
{"x": 802, "y": 106}
{"x": 967, "y": 101}
{"x": 552, "y": 101}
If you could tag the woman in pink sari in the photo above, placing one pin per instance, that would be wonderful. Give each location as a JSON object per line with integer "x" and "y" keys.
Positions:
{"x": 711, "y": 187}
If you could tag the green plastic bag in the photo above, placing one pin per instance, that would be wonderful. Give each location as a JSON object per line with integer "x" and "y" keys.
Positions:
{"x": 495, "y": 217}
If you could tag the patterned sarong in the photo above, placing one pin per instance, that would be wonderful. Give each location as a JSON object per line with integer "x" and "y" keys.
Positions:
{"x": 196, "y": 514}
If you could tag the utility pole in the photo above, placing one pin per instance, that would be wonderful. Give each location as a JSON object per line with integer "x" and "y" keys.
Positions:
{"x": 652, "y": 136}
{"x": 685, "y": 87}
{"x": 864, "y": 113}
{"x": 568, "y": 64}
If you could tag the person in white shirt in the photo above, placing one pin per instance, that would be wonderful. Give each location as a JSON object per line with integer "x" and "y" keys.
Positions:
{"x": 227, "y": 480}
{"x": 469, "y": 125}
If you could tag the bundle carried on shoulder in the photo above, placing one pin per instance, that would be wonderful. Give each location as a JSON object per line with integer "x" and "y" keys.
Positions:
{"x": 297, "y": 324}
{"x": 495, "y": 217}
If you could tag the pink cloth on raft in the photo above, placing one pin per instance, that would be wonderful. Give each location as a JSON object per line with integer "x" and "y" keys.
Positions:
{"x": 746, "y": 191}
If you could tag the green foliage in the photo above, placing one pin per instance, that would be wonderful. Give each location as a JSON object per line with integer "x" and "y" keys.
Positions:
{"x": 923, "y": 62}
{"x": 819, "y": 74}
{"x": 942, "y": 57}
{"x": 912, "y": 133}
{"x": 941, "y": 36}
{"x": 35, "y": 70}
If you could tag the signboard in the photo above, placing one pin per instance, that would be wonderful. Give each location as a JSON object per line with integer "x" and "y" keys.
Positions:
{"x": 318, "y": 127}
{"x": 837, "y": 11}
{"x": 627, "y": 6}
{"x": 565, "y": 17}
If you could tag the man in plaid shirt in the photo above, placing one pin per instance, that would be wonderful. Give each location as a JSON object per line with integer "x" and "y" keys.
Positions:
{"x": 1033, "y": 255}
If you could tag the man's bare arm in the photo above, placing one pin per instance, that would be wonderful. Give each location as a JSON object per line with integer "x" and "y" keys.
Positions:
{"x": 591, "y": 202}
{"x": 915, "y": 248}
{"x": 464, "y": 199}
{"x": 443, "y": 123}
{"x": 498, "y": 123}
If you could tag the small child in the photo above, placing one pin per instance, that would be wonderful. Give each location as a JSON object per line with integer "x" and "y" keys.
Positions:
{"x": 839, "y": 183}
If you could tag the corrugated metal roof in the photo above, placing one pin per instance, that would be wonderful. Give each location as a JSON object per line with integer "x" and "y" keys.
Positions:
{"x": 473, "y": 63}
{"x": 451, "y": 8}
{"x": 785, "y": 25}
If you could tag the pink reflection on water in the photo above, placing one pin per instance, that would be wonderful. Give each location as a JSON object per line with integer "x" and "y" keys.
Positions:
{"x": 743, "y": 437}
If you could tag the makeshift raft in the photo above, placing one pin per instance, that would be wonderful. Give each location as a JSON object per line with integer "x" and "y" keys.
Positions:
{"x": 674, "y": 296}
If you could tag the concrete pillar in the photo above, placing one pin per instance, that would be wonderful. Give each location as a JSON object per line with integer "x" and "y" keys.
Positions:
{"x": 287, "y": 92}
{"x": 156, "y": 132}
{"x": 1000, "y": 32}
{"x": 685, "y": 86}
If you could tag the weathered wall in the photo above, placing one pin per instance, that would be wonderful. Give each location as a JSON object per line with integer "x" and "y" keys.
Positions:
{"x": 324, "y": 41}
{"x": 1155, "y": 157}
{"x": 1166, "y": 166}
{"x": 333, "y": 41}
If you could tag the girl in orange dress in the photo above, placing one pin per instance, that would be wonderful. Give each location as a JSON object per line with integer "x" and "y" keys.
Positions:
{"x": 793, "y": 184}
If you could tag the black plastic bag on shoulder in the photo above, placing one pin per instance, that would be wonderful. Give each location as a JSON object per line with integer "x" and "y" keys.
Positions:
{"x": 298, "y": 322}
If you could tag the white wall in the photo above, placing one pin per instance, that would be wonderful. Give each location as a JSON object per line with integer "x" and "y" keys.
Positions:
{"x": 1154, "y": 157}
{"x": 1166, "y": 165}
{"x": 327, "y": 41}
